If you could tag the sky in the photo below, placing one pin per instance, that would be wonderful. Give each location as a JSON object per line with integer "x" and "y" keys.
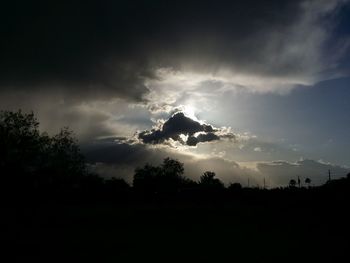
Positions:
{"x": 248, "y": 89}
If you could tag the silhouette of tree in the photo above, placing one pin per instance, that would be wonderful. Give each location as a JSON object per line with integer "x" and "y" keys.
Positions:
{"x": 167, "y": 177}
{"x": 31, "y": 158}
{"x": 208, "y": 180}
{"x": 117, "y": 183}
{"x": 66, "y": 163}
{"x": 172, "y": 168}
{"x": 116, "y": 186}
{"x": 235, "y": 187}
{"x": 91, "y": 182}
{"x": 308, "y": 181}
{"x": 146, "y": 178}
{"x": 20, "y": 142}
{"x": 188, "y": 183}
{"x": 292, "y": 183}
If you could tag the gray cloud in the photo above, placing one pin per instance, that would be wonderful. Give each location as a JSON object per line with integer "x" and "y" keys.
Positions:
{"x": 87, "y": 64}
{"x": 179, "y": 126}
{"x": 94, "y": 50}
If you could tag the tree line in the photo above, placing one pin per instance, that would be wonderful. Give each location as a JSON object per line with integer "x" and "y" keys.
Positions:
{"x": 32, "y": 160}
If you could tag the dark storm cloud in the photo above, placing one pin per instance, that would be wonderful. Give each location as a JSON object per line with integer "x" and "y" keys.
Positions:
{"x": 205, "y": 137}
{"x": 85, "y": 45}
{"x": 179, "y": 124}
{"x": 99, "y": 49}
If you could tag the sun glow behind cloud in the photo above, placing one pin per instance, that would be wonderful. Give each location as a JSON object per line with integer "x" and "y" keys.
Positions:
{"x": 189, "y": 111}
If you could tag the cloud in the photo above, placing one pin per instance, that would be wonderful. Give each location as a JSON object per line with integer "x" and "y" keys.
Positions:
{"x": 103, "y": 50}
{"x": 87, "y": 65}
{"x": 183, "y": 129}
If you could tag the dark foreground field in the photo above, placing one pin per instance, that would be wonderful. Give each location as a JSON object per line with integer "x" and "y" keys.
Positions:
{"x": 291, "y": 225}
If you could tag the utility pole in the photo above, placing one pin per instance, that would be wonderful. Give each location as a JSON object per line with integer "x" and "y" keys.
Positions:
{"x": 264, "y": 183}
{"x": 329, "y": 175}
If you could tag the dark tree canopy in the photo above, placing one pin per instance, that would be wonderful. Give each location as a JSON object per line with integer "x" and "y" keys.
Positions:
{"x": 292, "y": 183}
{"x": 20, "y": 141}
{"x": 235, "y": 187}
{"x": 208, "y": 180}
{"x": 28, "y": 156}
{"x": 172, "y": 168}
{"x": 308, "y": 182}
{"x": 168, "y": 177}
